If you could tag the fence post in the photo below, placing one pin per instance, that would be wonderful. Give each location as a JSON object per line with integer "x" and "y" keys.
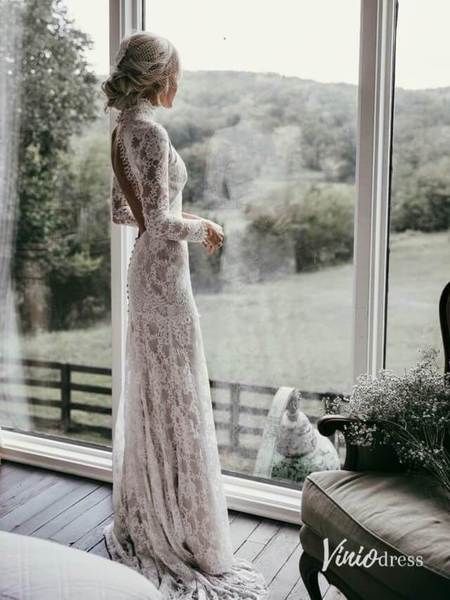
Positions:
{"x": 235, "y": 390}
{"x": 65, "y": 396}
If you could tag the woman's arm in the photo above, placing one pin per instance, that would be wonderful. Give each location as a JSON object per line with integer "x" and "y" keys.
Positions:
{"x": 214, "y": 242}
{"x": 149, "y": 151}
{"x": 187, "y": 215}
{"x": 120, "y": 211}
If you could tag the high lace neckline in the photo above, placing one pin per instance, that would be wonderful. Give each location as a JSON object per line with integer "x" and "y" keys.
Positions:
{"x": 143, "y": 108}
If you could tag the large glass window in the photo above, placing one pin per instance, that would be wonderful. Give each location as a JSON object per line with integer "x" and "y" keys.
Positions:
{"x": 420, "y": 204}
{"x": 265, "y": 119}
{"x": 56, "y": 339}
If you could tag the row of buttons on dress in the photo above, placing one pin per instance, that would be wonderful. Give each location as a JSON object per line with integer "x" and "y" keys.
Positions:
{"x": 131, "y": 254}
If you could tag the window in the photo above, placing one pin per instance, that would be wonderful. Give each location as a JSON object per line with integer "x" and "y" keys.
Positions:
{"x": 56, "y": 348}
{"x": 265, "y": 120}
{"x": 420, "y": 208}
{"x": 284, "y": 125}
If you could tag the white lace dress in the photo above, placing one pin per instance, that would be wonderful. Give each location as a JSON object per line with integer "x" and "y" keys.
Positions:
{"x": 170, "y": 514}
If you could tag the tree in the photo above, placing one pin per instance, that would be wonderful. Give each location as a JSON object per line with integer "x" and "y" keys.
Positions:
{"x": 57, "y": 97}
{"x": 320, "y": 226}
{"x": 421, "y": 198}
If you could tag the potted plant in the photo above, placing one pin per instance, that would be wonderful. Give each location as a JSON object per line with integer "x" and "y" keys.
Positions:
{"x": 406, "y": 417}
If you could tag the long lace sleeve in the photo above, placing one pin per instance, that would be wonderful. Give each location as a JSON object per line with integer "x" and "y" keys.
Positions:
{"x": 120, "y": 210}
{"x": 150, "y": 152}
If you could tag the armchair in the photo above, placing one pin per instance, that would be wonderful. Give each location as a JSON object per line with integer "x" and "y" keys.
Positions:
{"x": 372, "y": 504}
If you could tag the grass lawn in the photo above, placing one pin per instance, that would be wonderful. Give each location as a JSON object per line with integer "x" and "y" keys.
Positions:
{"x": 298, "y": 330}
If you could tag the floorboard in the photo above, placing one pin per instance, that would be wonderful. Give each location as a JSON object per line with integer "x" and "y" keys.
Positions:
{"x": 287, "y": 576}
{"x": 57, "y": 507}
{"x": 276, "y": 552}
{"x": 23, "y": 490}
{"x": 241, "y": 527}
{"x": 65, "y": 518}
{"x": 73, "y": 511}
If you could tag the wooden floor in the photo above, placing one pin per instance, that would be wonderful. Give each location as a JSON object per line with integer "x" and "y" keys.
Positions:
{"x": 72, "y": 511}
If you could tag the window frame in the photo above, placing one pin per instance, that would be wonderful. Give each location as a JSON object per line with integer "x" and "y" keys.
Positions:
{"x": 373, "y": 183}
{"x": 371, "y": 228}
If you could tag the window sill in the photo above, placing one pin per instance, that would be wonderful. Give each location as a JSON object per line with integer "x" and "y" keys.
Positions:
{"x": 243, "y": 494}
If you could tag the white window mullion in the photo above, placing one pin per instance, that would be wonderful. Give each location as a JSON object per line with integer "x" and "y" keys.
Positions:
{"x": 126, "y": 16}
{"x": 375, "y": 98}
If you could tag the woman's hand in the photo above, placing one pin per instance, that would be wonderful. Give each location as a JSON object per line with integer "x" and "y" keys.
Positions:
{"x": 214, "y": 238}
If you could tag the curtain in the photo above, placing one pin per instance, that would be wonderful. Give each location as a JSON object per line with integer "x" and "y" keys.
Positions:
{"x": 10, "y": 77}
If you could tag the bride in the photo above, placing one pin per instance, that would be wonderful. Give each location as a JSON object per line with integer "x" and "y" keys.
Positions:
{"x": 170, "y": 514}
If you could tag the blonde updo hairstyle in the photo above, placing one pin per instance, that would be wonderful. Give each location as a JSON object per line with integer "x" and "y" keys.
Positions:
{"x": 146, "y": 66}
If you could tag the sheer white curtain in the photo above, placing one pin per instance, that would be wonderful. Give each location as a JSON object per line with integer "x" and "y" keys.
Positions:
{"x": 10, "y": 78}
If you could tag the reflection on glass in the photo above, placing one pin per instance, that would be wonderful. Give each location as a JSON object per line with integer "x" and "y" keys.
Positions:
{"x": 265, "y": 120}
{"x": 56, "y": 351}
{"x": 420, "y": 205}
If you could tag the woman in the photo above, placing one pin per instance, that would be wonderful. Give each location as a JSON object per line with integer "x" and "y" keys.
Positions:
{"x": 170, "y": 514}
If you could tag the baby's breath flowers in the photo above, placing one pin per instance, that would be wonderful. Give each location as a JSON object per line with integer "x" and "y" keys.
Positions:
{"x": 410, "y": 412}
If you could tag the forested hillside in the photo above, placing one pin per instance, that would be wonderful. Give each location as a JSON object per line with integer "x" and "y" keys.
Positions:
{"x": 271, "y": 158}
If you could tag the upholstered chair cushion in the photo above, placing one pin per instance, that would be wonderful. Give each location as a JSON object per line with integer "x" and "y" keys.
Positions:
{"x": 396, "y": 514}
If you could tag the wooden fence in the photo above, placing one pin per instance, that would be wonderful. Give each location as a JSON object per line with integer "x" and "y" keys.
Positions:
{"x": 64, "y": 382}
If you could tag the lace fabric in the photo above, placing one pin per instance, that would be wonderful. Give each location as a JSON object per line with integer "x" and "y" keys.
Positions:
{"x": 157, "y": 173}
{"x": 170, "y": 514}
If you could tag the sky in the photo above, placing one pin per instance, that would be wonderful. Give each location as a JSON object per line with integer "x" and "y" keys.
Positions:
{"x": 311, "y": 39}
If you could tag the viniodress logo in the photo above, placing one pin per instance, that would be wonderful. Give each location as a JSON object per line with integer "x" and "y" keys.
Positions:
{"x": 365, "y": 558}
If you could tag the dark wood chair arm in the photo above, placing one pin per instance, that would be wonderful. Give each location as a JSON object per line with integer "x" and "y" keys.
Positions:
{"x": 329, "y": 424}
{"x": 359, "y": 458}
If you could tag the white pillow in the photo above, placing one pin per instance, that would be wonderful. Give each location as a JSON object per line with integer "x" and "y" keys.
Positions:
{"x": 36, "y": 569}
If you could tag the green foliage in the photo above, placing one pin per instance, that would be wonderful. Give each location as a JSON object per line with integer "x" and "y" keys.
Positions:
{"x": 317, "y": 228}
{"x": 330, "y": 148}
{"x": 291, "y": 469}
{"x": 422, "y": 200}
{"x": 322, "y": 227}
{"x": 57, "y": 97}
{"x": 325, "y": 114}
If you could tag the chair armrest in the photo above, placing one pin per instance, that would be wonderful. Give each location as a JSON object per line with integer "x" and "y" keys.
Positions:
{"x": 329, "y": 424}
{"x": 359, "y": 458}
